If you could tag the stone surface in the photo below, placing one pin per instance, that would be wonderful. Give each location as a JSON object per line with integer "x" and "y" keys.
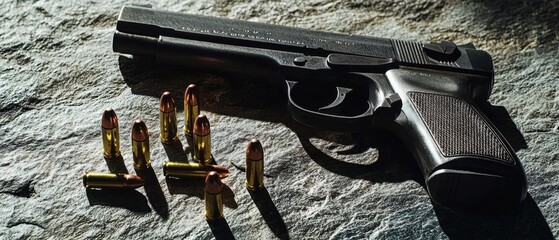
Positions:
{"x": 58, "y": 73}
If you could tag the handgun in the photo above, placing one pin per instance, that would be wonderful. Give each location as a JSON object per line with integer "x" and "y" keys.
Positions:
{"x": 427, "y": 94}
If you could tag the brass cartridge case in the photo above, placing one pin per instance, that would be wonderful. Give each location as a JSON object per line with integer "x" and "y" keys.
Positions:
{"x": 202, "y": 140}
{"x": 109, "y": 129}
{"x": 197, "y": 170}
{"x": 191, "y": 109}
{"x": 254, "y": 165}
{"x": 140, "y": 145}
{"x": 167, "y": 119}
{"x": 111, "y": 180}
{"x": 213, "y": 196}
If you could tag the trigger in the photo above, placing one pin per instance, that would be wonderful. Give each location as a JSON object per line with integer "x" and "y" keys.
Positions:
{"x": 340, "y": 96}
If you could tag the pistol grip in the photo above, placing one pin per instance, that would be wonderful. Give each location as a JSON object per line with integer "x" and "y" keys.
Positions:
{"x": 465, "y": 160}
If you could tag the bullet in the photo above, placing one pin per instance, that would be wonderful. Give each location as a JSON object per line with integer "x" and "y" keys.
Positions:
{"x": 111, "y": 180}
{"x": 109, "y": 128}
{"x": 212, "y": 196}
{"x": 191, "y": 110}
{"x": 140, "y": 145}
{"x": 167, "y": 119}
{"x": 202, "y": 140}
{"x": 179, "y": 169}
{"x": 254, "y": 165}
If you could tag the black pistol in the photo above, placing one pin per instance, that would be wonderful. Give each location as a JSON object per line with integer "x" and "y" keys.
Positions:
{"x": 427, "y": 94}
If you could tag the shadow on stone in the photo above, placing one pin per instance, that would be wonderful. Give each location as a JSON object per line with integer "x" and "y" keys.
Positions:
{"x": 220, "y": 229}
{"x": 526, "y": 222}
{"x": 153, "y": 191}
{"x": 227, "y": 96}
{"x": 500, "y": 117}
{"x": 124, "y": 198}
{"x": 195, "y": 187}
{"x": 392, "y": 165}
{"x": 187, "y": 186}
{"x": 269, "y": 212}
{"x": 116, "y": 165}
{"x": 175, "y": 152}
{"x": 143, "y": 77}
{"x": 212, "y": 160}
{"x": 229, "y": 197}
{"x": 188, "y": 149}
{"x": 241, "y": 167}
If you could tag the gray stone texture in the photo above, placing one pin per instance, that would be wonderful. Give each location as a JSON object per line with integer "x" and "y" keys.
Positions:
{"x": 58, "y": 73}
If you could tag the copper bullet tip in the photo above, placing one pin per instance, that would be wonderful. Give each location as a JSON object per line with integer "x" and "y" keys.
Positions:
{"x": 221, "y": 170}
{"x": 167, "y": 103}
{"x": 213, "y": 183}
{"x": 254, "y": 150}
{"x": 191, "y": 95}
{"x": 139, "y": 131}
{"x": 109, "y": 120}
{"x": 133, "y": 181}
{"x": 201, "y": 126}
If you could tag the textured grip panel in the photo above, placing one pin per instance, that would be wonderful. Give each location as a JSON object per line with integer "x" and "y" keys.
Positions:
{"x": 457, "y": 128}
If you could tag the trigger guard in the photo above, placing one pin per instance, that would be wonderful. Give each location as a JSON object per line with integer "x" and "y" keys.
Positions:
{"x": 327, "y": 121}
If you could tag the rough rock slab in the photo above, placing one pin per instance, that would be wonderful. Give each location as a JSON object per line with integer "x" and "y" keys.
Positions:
{"x": 58, "y": 73}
